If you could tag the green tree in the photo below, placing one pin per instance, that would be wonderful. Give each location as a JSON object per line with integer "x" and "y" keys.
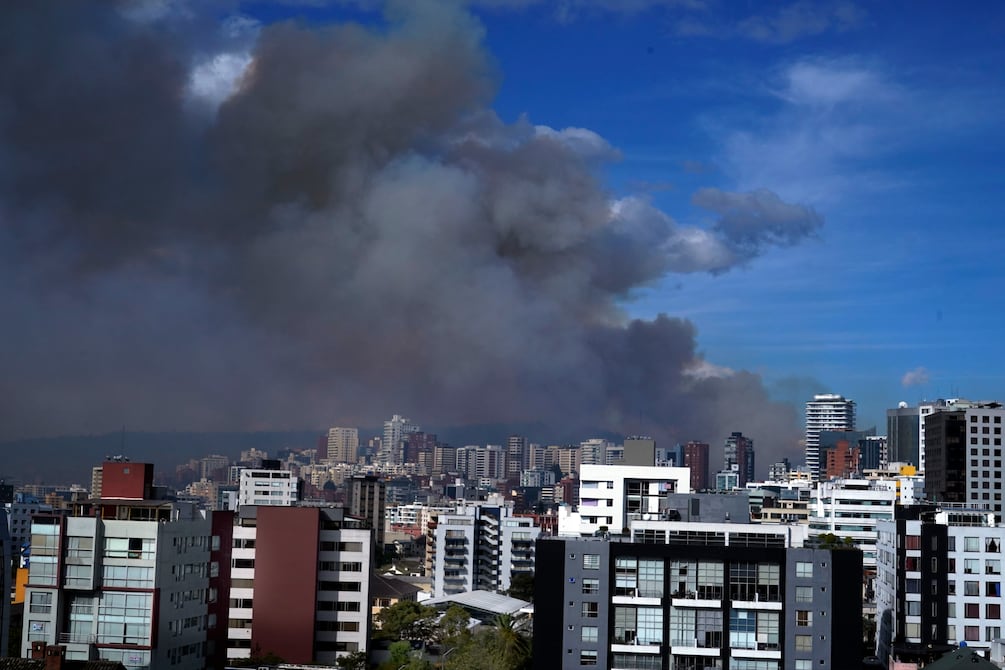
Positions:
{"x": 407, "y": 620}
{"x": 354, "y": 661}
{"x": 452, "y": 628}
{"x": 521, "y": 585}
{"x": 512, "y": 646}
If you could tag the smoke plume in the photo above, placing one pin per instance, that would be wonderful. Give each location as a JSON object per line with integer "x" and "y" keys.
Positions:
{"x": 293, "y": 225}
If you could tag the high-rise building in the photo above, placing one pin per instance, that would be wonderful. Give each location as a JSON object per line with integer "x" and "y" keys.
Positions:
{"x": 394, "y": 431}
{"x": 593, "y": 451}
{"x": 343, "y": 445}
{"x": 477, "y": 462}
{"x": 300, "y": 585}
{"x": 963, "y": 455}
{"x": 696, "y": 597}
{"x": 938, "y": 583}
{"x": 368, "y": 502}
{"x": 696, "y": 458}
{"x": 214, "y": 467}
{"x": 516, "y": 455}
{"x": 479, "y": 547}
{"x": 268, "y": 487}
{"x": 738, "y": 456}
{"x": 827, "y": 411}
{"x": 125, "y": 578}
{"x": 903, "y": 431}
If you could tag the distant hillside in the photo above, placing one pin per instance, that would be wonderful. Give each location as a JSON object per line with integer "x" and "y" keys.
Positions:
{"x": 68, "y": 459}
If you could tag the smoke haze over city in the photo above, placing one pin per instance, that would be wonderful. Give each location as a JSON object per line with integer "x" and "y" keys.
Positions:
{"x": 208, "y": 222}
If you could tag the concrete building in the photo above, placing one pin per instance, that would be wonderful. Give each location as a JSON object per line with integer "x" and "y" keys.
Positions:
{"x": 476, "y": 462}
{"x": 695, "y": 458}
{"x": 479, "y": 547}
{"x": 516, "y": 455}
{"x": 368, "y": 503}
{"x": 738, "y": 456}
{"x": 852, "y": 508}
{"x": 124, "y": 578}
{"x": 639, "y": 450}
{"x": 903, "y": 430}
{"x": 300, "y": 584}
{"x": 964, "y": 455}
{"x": 938, "y": 581}
{"x": 611, "y": 495}
{"x": 695, "y": 598}
{"x": 395, "y": 430}
{"x": 268, "y": 487}
{"x": 342, "y": 445}
{"x": 827, "y": 411}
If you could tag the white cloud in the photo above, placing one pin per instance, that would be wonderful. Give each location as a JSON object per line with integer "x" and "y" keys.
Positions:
{"x": 915, "y": 377}
{"x": 216, "y": 79}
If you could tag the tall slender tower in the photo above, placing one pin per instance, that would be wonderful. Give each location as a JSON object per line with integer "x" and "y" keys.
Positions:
{"x": 827, "y": 411}
{"x": 738, "y": 456}
{"x": 394, "y": 431}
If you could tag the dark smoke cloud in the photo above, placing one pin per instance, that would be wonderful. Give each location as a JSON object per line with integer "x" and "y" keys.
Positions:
{"x": 352, "y": 233}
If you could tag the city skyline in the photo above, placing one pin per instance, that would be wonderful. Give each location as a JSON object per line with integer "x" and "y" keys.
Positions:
{"x": 786, "y": 187}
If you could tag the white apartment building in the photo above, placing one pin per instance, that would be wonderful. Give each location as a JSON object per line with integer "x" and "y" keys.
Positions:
{"x": 394, "y": 430}
{"x": 611, "y": 495}
{"x": 827, "y": 411}
{"x": 268, "y": 487}
{"x": 852, "y": 508}
{"x": 939, "y": 578}
{"x": 479, "y": 547}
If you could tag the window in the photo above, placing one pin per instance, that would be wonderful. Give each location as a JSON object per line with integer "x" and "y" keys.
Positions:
{"x": 587, "y": 657}
{"x": 803, "y": 664}
{"x": 591, "y": 586}
{"x": 804, "y": 618}
{"x": 591, "y": 561}
{"x": 41, "y": 602}
{"x": 972, "y": 633}
{"x": 993, "y": 611}
{"x": 971, "y": 544}
{"x": 591, "y": 610}
{"x": 971, "y": 588}
{"x": 589, "y": 633}
{"x": 804, "y": 643}
{"x": 972, "y": 610}
{"x": 913, "y": 608}
{"x": 992, "y": 633}
{"x": 804, "y": 594}
{"x": 804, "y": 569}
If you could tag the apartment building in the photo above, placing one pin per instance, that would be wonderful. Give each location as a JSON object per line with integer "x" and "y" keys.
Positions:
{"x": 479, "y": 547}
{"x": 692, "y": 597}
{"x": 300, "y": 584}
{"x": 939, "y": 579}
{"x": 611, "y": 495}
{"x": 123, "y": 578}
{"x": 852, "y": 508}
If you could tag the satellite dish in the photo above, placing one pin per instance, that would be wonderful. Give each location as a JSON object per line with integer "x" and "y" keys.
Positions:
{"x": 902, "y": 405}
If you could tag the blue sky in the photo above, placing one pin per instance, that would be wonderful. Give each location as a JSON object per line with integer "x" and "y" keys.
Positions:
{"x": 888, "y": 123}
{"x": 182, "y": 267}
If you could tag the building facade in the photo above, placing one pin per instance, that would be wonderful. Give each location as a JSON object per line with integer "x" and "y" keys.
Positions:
{"x": 124, "y": 578}
{"x": 693, "y": 603}
{"x": 300, "y": 585}
{"x": 479, "y": 547}
{"x": 939, "y": 579}
{"x": 826, "y": 411}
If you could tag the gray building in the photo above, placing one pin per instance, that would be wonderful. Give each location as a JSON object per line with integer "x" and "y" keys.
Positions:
{"x": 694, "y": 603}
{"x": 903, "y": 434}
